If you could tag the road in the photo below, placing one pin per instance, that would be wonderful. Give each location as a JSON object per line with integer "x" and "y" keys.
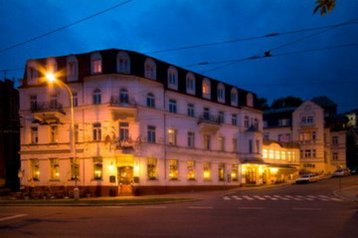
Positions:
{"x": 309, "y": 210}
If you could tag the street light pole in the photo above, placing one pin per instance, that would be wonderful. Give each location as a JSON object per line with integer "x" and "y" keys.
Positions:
{"x": 52, "y": 79}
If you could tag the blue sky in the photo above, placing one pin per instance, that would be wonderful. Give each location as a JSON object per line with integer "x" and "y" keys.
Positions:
{"x": 147, "y": 26}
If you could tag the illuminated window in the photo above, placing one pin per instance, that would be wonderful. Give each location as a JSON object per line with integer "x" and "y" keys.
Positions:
{"x": 152, "y": 168}
{"x": 75, "y": 169}
{"x": 221, "y": 172}
{"x": 190, "y": 83}
{"x": 234, "y": 172}
{"x": 34, "y": 135}
{"x": 97, "y": 168}
{"x": 271, "y": 154}
{"x": 172, "y": 137}
{"x": 191, "y": 139}
{"x": 206, "y": 88}
{"x": 283, "y": 155}
{"x": 151, "y": 134}
{"x": 97, "y": 132}
{"x": 150, "y": 100}
{"x": 191, "y": 169}
{"x": 53, "y": 134}
{"x": 234, "y": 119}
{"x": 96, "y": 96}
{"x": 54, "y": 169}
{"x": 190, "y": 110}
{"x": 221, "y": 141}
{"x": 72, "y": 68}
{"x": 277, "y": 154}
{"x": 172, "y": 106}
{"x": 172, "y": 78}
{"x": 123, "y": 63}
{"x": 221, "y": 93}
{"x": 96, "y": 63}
{"x": 35, "y": 169}
{"x": 264, "y": 154}
{"x": 123, "y": 96}
{"x": 207, "y": 171}
{"x": 207, "y": 144}
{"x": 249, "y": 100}
{"x": 150, "y": 69}
{"x": 173, "y": 169}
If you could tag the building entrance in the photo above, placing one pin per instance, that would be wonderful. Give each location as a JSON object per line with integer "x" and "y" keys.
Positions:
{"x": 125, "y": 180}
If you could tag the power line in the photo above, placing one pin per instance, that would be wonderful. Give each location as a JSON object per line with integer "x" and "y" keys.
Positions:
{"x": 65, "y": 26}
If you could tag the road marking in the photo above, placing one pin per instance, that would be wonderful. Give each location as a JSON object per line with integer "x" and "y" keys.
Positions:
{"x": 227, "y": 198}
{"x": 237, "y": 198}
{"x": 251, "y": 208}
{"x": 281, "y": 197}
{"x": 306, "y": 209}
{"x": 248, "y": 198}
{"x": 12, "y": 217}
{"x": 200, "y": 207}
{"x": 337, "y": 199}
{"x": 260, "y": 198}
{"x": 155, "y": 207}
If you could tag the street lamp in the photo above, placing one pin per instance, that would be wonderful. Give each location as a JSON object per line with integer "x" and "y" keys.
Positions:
{"x": 51, "y": 78}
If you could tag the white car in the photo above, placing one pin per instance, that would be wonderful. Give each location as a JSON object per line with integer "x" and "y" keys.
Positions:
{"x": 307, "y": 178}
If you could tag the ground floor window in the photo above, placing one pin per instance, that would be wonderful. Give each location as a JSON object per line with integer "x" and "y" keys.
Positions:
{"x": 191, "y": 169}
{"x": 97, "y": 168}
{"x": 173, "y": 169}
{"x": 152, "y": 168}
{"x": 54, "y": 169}
{"x": 221, "y": 172}
{"x": 234, "y": 172}
{"x": 35, "y": 169}
{"x": 207, "y": 171}
{"x": 75, "y": 169}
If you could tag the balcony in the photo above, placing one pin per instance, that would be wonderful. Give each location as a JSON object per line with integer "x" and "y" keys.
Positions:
{"x": 123, "y": 108}
{"x": 208, "y": 124}
{"x": 48, "y": 112}
{"x": 126, "y": 146}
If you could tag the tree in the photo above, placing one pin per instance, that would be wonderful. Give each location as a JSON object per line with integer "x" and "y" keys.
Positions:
{"x": 262, "y": 103}
{"x": 286, "y": 102}
{"x": 324, "y": 6}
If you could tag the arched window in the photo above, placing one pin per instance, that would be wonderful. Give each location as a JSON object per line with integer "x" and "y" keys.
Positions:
{"x": 150, "y": 100}
{"x": 221, "y": 92}
{"x": 72, "y": 68}
{"x": 249, "y": 100}
{"x": 32, "y": 72}
{"x": 123, "y": 63}
{"x": 190, "y": 83}
{"x": 206, "y": 88}
{"x": 173, "y": 78}
{"x": 96, "y": 96}
{"x": 96, "y": 63}
{"x": 150, "y": 69}
{"x": 123, "y": 96}
{"x": 234, "y": 97}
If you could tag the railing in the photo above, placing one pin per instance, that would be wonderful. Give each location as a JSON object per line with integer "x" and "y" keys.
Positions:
{"x": 209, "y": 119}
{"x": 48, "y": 107}
{"x": 123, "y": 102}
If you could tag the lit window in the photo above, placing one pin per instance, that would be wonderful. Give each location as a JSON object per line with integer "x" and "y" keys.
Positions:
{"x": 234, "y": 97}
{"x": 151, "y": 134}
{"x": 221, "y": 172}
{"x": 96, "y": 96}
{"x": 172, "y": 137}
{"x": 207, "y": 171}
{"x": 191, "y": 110}
{"x": 72, "y": 68}
{"x": 152, "y": 168}
{"x": 123, "y": 63}
{"x": 206, "y": 89}
{"x": 150, "y": 69}
{"x": 264, "y": 154}
{"x": 97, "y": 132}
{"x": 172, "y": 106}
{"x": 123, "y": 96}
{"x": 221, "y": 93}
{"x": 150, "y": 100}
{"x": 191, "y": 169}
{"x": 75, "y": 169}
{"x": 173, "y": 169}
{"x": 271, "y": 154}
{"x": 35, "y": 169}
{"x": 190, "y": 83}
{"x": 277, "y": 154}
{"x": 249, "y": 100}
{"x": 172, "y": 78}
{"x": 234, "y": 172}
{"x": 283, "y": 155}
{"x": 234, "y": 119}
{"x": 191, "y": 139}
{"x": 97, "y": 168}
{"x": 54, "y": 169}
{"x": 34, "y": 135}
{"x": 96, "y": 63}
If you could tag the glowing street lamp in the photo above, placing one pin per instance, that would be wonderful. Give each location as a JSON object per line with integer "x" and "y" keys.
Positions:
{"x": 51, "y": 78}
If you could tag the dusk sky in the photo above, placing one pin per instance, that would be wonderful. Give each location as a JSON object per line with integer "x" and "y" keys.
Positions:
{"x": 303, "y": 64}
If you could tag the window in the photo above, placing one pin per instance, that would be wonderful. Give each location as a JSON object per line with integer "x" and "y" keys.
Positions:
{"x": 249, "y": 100}
{"x": 284, "y": 122}
{"x": 221, "y": 172}
{"x": 234, "y": 172}
{"x": 264, "y": 154}
{"x": 32, "y": 73}
{"x": 75, "y": 169}
{"x": 191, "y": 110}
{"x": 53, "y": 134}
{"x": 307, "y": 120}
{"x": 234, "y": 145}
{"x": 150, "y": 69}
{"x": 267, "y": 136}
{"x": 313, "y": 153}
{"x": 35, "y": 169}
{"x": 34, "y": 135}
{"x": 207, "y": 144}
{"x": 173, "y": 169}
{"x": 206, "y": 114}
{"x": 172, "y": 106}
{"x": 308, "y": 154}
{"x": 152, "y": 168}
{"x": 258, "y": 147}
{"x": 191, "y": 139}
{"x": 123, "y": 96}
{"x": 150, "y": 100}
{"x": 54, "y": 169}
{"x": 206, "y": 89}
{"x": 250, "y": 147}
{"x": 96, "y": 96}
{"x": 335, "y": 156}
{"x": 53, "y": 101}
{"x": 221, "y": 118}
{"x": 172, "y": 78}
{"x": 246, "y": 122}
{"x": 96, "y": 63}
{"x": 256, "y": 123}
{"x": 151, "y": 134}
{"x": 314, "y": 136}
{"x": 221, "y": 141}
{"x": 75, "y": 99}
{"x": 123, "y": 63}
{"x": 190, "y": 83}
{"x": 172, "y": 137}
{"x": 72, "y": 68}
{"x": 221, "y": 93}
{"x": 271, "y": 154}
{"x": 33, "y": 102}
{"x": 207, "y": 171}
{"x": 335, "y": 140}
{"x": 97, "y": 132}
{"x": 234, "y": 119}
{"x": 191, "y": 169}
{"x": 234, "y": 97}
{"x": 77, "y": 133}
{"x": 123, "y": 131}
{"x": 97, "y": 168}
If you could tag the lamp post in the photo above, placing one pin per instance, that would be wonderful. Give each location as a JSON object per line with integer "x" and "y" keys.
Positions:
{"x": 51, "y": 78}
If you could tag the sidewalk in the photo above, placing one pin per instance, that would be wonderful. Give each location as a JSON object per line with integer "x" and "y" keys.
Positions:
{"x": 348, "y": 193}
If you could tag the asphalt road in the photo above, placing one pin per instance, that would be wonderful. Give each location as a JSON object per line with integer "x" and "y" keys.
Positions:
{"x": 310, "y": 210}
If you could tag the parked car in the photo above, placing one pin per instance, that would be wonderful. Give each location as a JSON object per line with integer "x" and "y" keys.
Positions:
{"x": 307, "y": 178}
{"x": 341, "y": 173}
{"x": 354, "y": 170}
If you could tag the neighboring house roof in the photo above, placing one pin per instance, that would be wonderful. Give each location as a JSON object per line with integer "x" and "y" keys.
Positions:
{"x": 324, "y": 102}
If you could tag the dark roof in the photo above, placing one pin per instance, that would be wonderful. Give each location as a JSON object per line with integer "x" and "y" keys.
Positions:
{"x": 272, "y": 116}
{"x": 324, "y": 102}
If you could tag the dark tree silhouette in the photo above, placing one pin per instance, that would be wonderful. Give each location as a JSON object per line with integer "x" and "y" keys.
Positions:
{"x": 324, "y": 6}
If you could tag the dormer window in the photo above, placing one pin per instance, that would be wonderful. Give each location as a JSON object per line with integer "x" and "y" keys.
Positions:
{"x": 150, "y": 69}
{"x": 72, "y": 68}
{"x": 96, "y": 63}
{"x": 249, "y": 100}
{"x": 123, "y": 63}
{"x": 190, "y": 83}
{"x": 234, "y": 97}
{"x": 221, "y": 93}
{"x": 173, "y": 78}
{"x": 206, "y": 89}
{"x": 32, "y": 73}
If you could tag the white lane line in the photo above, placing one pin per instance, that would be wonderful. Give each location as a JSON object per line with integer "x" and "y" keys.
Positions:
{"x": 226, "y": 198}
{"x": 12, "y": 217}
{"x": 251, "y": 208}
{"x": 260, "y": 198}
{"x": 200, "y": 207}
{"x": 248, "y": 198}
{"x": 281, "y": 197}
{"x": 306, "y": 209}
{"x": 269, "y": 197}
{"x": 237, "y": 197}
{"x": 336, "y": 199}
{"x": 155, "y": 207}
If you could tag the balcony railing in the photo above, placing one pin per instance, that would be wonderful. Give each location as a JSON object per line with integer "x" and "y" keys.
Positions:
{"x": 123, "y": 102}
{"x": 47, "y": 107}
{"x": 209, "y": 119}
